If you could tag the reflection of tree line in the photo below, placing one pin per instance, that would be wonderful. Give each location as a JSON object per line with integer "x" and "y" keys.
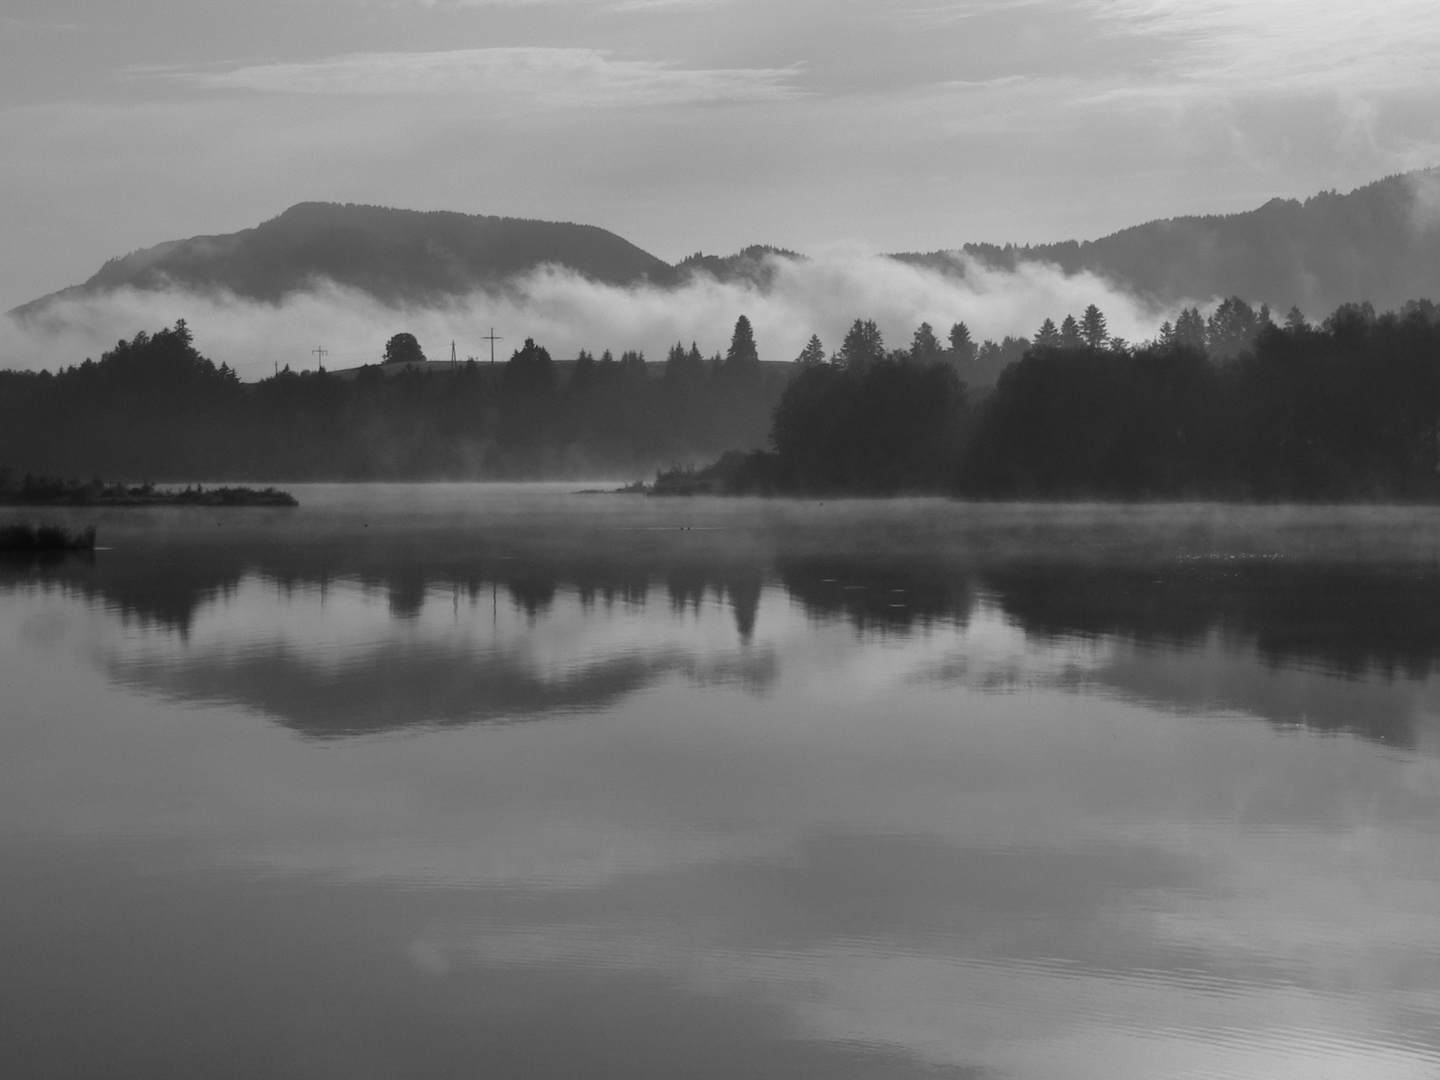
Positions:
{"x": 1354, "y": 622}
{"x": 1362, "y": 627}
{"x": 1348, "y": 619}
{"x": 1343, "y": 620}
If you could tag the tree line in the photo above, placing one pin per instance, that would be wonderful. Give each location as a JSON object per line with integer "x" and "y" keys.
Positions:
{"x": 154, "y": 408}
{"x": 1227, "y": 405}
{"x": 1232, "y": 406}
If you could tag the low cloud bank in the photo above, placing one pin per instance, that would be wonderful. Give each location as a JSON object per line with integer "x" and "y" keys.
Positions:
{"x": 566, "y": 312}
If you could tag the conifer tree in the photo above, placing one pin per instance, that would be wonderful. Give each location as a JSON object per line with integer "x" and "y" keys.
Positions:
{"x": 1092, "y": 327}
{"x": 925, "y": 346}
{"x": 1047, "y": 336}
{"x": 862, "y": 344}
{"x": 812, "y": 354}
{"x": 962, "y": 347}
{"x": 1190, "y": 329}
{"x": 742, "y": 355}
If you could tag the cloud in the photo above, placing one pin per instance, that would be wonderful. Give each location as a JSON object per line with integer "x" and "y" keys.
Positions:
{"x": 1289, "y": 44}
{"x": 9, "y": 22}
{"x": 562, "y": 76}
{"x": 567, "y": 312}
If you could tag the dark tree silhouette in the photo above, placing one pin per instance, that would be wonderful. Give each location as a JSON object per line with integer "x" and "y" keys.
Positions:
{"x": 742, "y": 357}
{"x": 1232, "y": 328}
{"x": 962, "y": 348}
{"x": 632, "y": 363}
{"x": 403, "y": 349}
{"x": 1048, "y": 336}
{"x": 813, "y": 353}
{"x": 530, "y": 370}
{"x": 1190, "y": 330}
{"x": 684, "y": 367}
{"x": 1070, "y": 333}
{"x": 1092, "y": 327}
{"x": 925, "y": 346}
{"x": 862, "y": 345}
{"x": 879, "y": 426}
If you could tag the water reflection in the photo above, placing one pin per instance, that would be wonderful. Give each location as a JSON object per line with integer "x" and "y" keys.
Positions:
{"x": 1329, "y": 646}
{"x": 863, "y": 792}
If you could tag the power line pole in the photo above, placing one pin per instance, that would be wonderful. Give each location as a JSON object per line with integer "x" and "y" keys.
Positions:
{"x": 492, "y": 339}
{"x": 320, "y": 355}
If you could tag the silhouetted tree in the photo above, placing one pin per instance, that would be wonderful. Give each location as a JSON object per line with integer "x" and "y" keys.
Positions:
{"x": 403, "y": 349}
{"x": 1350, "y": 322}
{"x": 530, "y": 370}
{"x": 813, "y": 353}
{"x": 1190, "y": 330}
{"x": 1047, "y": 337}
{"x": 962, "y": 348}
{"x": 1092, "y": 327}
{"x": 877, "y": 426}
{"x": 684, "y": 366}
{"x": 1295, "y": 320}
{"x": 862, "y": 345}
{"x": 742, "y": 357}
{"x": 632, "y": 364}
{"x": 925, "y": 346}
{"x": 1231, "y": 329}
{"x": 1070, "y": 333}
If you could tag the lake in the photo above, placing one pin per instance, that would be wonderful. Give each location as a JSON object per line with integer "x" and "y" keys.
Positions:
{"x": 485, "y": 780}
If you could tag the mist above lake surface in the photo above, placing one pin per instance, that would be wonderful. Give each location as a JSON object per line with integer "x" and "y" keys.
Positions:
{"x": 464, "y": 779}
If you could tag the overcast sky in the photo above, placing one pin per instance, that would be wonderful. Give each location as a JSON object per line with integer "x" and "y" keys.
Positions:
{"x": 691, "y": 125}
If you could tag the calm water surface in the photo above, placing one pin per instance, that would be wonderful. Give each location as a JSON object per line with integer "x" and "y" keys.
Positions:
{"x": 466, "y": 781}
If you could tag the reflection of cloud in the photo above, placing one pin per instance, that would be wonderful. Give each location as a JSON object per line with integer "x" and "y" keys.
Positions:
{"x": 963, "y": 953}
{"x": 209, "y": 949}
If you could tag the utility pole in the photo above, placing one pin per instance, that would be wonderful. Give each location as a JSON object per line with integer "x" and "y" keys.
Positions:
{"x": 492, "y": 339}
{"x": 320, "y": 355}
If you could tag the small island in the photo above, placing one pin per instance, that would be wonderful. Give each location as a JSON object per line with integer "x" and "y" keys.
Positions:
{"x": 47, "y": 491}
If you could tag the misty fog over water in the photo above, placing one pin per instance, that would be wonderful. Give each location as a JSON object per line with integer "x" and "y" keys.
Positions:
{"x": 505, "y": 780}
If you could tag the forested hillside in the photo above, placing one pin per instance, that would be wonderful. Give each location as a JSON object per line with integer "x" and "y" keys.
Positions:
{"x": 1379, "y": 243}
{"x": 396, "y": 256}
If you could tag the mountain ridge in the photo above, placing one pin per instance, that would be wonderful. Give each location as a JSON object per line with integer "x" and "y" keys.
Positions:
{"x": 395, "y": 255}
{"x": 1379, "y": 242}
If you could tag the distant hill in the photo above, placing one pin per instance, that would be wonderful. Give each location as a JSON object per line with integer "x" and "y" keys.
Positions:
{"x": 394, "y": 255}
{"x": 1380, "y": 242}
